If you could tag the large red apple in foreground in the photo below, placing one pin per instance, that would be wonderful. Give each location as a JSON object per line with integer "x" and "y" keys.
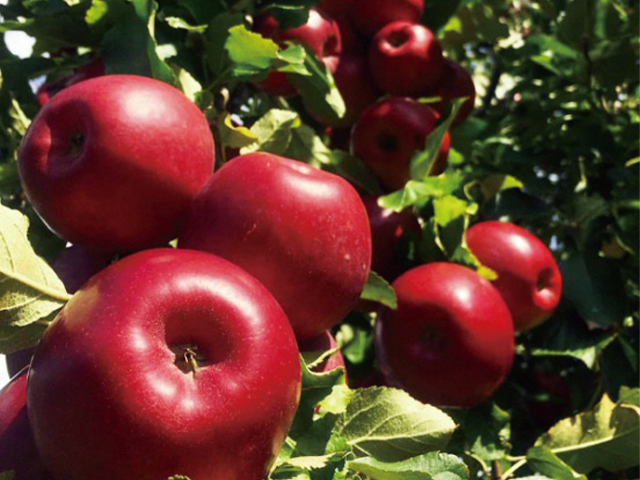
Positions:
{"x": 528, "y": 277}
{"x": 302, "y": 232}
{"x": 113, "y": 162}
{"x": 168, "y": 362}
{"x": 450, "y": 342}
{"x": 17, "y": 448}
{"x": 405, "y": 59}
{"x": 389, "y": 132}
{"x": 320, "y": 33}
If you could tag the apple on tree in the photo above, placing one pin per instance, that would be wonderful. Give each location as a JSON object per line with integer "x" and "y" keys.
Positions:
{"x": 451, "y": 340}
{"x": 528, "y": 277}
{"x": 455, "y": 82}
{"x": 320, "y": 33}
{"x": 167, "y": 362}
{"x": 95, "y": 68}
{"x": 405, "y": 59}
{"x": 301, "y": 231}
{"x": 112, "y": 163}
{"x": 388, "y": 133}
{"x": 18, "y": 451}
{"x": 370, "y": 16}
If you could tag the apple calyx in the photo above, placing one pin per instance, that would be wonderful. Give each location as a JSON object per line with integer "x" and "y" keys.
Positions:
{"x": 189, "y": 358}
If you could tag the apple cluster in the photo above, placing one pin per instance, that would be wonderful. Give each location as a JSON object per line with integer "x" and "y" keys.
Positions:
{"x": 382, "y": 60}
{"x": 165, "y": 360}
{"x": 396, "y": 83}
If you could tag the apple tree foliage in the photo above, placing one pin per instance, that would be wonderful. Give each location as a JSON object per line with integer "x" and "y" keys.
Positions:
{"x": 552, "y": 145}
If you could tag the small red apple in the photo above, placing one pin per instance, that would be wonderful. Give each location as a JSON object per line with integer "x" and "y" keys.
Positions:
{"x": 389, "y": 132}
{"x": 320, "y": 33}
{"x": 17, "y": 447}
{"x": 353, "y": 80}
{"x": 405, "y": 59}
{"x": 451, "y": 340}
{"x": 322, "y": 343}
{"x": 528, "y": 277}
{"x": 335, "y": 7}
{"x": 95, "y": 68}
{"x": 301, "y": 231}
{"x": 113, "y": 162}
{"x": 370, "y": 16}
{"x": 455, "y": 82}
{"x": 387, "y": 227}
{"x": 167, "y": 362}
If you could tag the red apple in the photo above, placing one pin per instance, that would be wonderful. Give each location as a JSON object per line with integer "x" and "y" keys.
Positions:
{"x": 451, "y": 340}
{"x": 167, "y": 362}
{"x": 389, "y": 132}
{"x": 113, "y": 162}
{"x": 528, "y": 277}
{"x": 74, "y": 265}
{"x": 335, "y": 7}
{"x": 369, "y": 16}
{"x": 353, "y": 80}
{"x": 320, "y": 33}
{"x": 387, "y": 227}
{"x": 322, "y": 343}
{"x": 352, "y": 41}
{"x": 455, "y": 82}
{"x": 302, "y": 232}
{"x": 17, "y": 447}
{"x": 405, "y": 59}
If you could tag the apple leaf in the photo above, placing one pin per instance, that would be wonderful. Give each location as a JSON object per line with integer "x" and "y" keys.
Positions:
{"x": 389, "y": 425}
{"x": 273, "y": 132}
{"x": 232, "y": 136}
{"x": 544, "y": 461}
{"x": 379, "y": 290}
{"x": 253, "y": 56}
{"x": 606, "y": 437}
{"x": 419, "y": 192}
{"x": 30, "y": 290}
{"x": 130, "y": 46}
{"x": 431, "y": 466}
{"x": 630, "y": 396}
{"x": 318, "y": 90}
{"x": 422, "y": 161}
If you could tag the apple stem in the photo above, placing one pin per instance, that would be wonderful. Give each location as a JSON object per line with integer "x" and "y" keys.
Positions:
{"x": 190, "y": 358}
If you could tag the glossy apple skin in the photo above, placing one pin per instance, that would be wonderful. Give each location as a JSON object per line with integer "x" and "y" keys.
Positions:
{"x": 370, "y": 16}
{"x": 17, "y": 447}
{"x": 451, "y": 340}
{"x": 353, "y": 80}
{"x": 455, "y": 82}
{"x": 74, "y": 265}
{"x": 107, "y": 399}
{"x": 302, "y": 232}
{"x": 320, "y": 33}
{"x": 387, "y": 227}
{"x": 323, "y": 342}
{"x": 113, "y": 162}
{"x": 405, "y": 59}
{"x": 528, "y": 277}
{"x": 389, "y": 132}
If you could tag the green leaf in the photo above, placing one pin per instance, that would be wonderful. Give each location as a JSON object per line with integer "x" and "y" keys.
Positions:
{"x": 379, "y": 290}
{"x": 391, "y": 426}
{"x": 130, "y": 46}
{"x": 486, "y": 429}
{"x": 418, "y": 192}
{"x": 318, "y": 90}
{"x": 594, "y": 285}
{"x": 232, "y": 136}
{"x": 605, "y": 437}
{"x": 431, "y": 466}
{"x": 273, "y": 132}
{"x": 449, "y": 208}
{"x": 250, "y": 51}
{"x": 544, "y": 461}
{"x": 30, "y": 290}
{"x": 422, "y": 161}
{"x": 630, "y": 396}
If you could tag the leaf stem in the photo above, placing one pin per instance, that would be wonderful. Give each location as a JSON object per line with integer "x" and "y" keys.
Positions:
{"x": 516, "y": 466}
